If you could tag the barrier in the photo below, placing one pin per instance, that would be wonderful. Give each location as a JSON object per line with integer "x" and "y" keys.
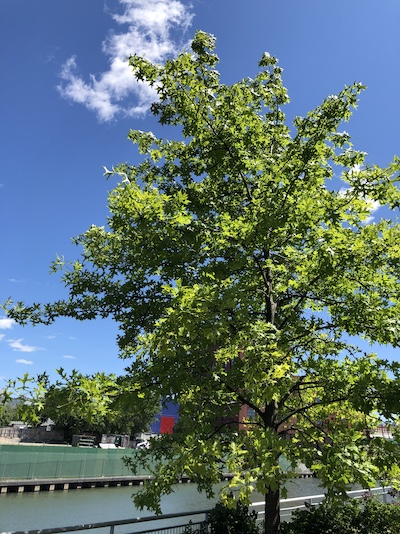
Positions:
{"x": 151, "y": 521}
{"x": 47, "y": 462}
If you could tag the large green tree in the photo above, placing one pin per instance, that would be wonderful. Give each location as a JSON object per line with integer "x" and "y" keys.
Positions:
{"x": 241, "y": 262}
{"x": 78, "y": 403}
{"x": 98, "y": 404}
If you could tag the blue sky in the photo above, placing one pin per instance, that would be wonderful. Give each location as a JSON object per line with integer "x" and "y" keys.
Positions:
{"x": 68, "y": 100}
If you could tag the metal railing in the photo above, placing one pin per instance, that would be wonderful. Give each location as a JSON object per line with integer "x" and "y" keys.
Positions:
{"x": 111, "y": 525}
{"x": 296, "y": 503}
{"x": 287, "y": 507}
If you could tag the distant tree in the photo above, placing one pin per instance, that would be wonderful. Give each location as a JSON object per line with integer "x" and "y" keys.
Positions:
{"x": 77, "y": 403}
{"x": 21, "y": 399}
{"x": 8, "y": 413}
{"x": 73, "y": 404}
{"x": 241, "y": 261}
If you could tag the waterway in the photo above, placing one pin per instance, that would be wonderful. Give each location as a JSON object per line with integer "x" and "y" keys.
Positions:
{"x": 28, "y": 511}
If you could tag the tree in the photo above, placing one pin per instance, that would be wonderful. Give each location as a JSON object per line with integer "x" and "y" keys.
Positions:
{"x": 8, "y": 412}
{"x": 25, "y": 396}
{"x": 240, "y": 262}
{"x": 72, "y": 402}
{"x": 78, "y": 403}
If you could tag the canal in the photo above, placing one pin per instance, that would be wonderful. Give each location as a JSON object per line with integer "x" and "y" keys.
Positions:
{"x": 28, "y": 511}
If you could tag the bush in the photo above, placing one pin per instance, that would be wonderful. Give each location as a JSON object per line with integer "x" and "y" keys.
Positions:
{"x": 224, "y": 520}
{"x": 350, "y": 517}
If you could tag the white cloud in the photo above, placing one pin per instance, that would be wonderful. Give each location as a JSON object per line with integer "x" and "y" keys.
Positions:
{"x": 69, "y": 357}
{"x": 152, "y": 29}
{"x": 371, "y": 205}
{"x": 6, "y": 324}
{"x": 1, "y": 336}
{"x": 24, "y": 362}
{"x": 16, "y": 345}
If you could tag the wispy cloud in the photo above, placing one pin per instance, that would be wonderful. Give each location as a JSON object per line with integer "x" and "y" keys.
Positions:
{"x": 371, "y": 205}
{"x": 154, "y": 30}
{"x": 24, "y": 362}
{"x": 16, "y": 345}
{"x": 69, "y": 357}
{"x": 6, "y": 324}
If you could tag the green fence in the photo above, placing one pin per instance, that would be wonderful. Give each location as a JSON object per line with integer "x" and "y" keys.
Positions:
{"x": 35, "y": 462}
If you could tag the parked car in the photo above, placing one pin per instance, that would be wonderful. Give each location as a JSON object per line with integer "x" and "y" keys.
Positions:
{"x": 143, "y": 445}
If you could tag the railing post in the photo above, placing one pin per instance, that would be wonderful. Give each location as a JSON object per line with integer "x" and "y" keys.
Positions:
{"x": 112, "y": 529}
{"x": 206, "y": 522}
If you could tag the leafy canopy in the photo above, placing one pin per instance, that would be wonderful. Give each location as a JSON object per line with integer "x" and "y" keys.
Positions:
{"x": 239, "y": 259}
{"x": 77, "y": 403}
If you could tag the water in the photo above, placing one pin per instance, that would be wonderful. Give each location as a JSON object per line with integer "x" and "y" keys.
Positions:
{"x": 28, "y": 511}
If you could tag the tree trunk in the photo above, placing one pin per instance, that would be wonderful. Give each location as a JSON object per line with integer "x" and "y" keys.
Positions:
{"x": 272, "y": 496}
{"x": 272, "y": 512}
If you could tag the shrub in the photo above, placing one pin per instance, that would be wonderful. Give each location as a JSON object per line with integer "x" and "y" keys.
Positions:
{"x": 349, "y": 517}
{"x": 238, "y": 520}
